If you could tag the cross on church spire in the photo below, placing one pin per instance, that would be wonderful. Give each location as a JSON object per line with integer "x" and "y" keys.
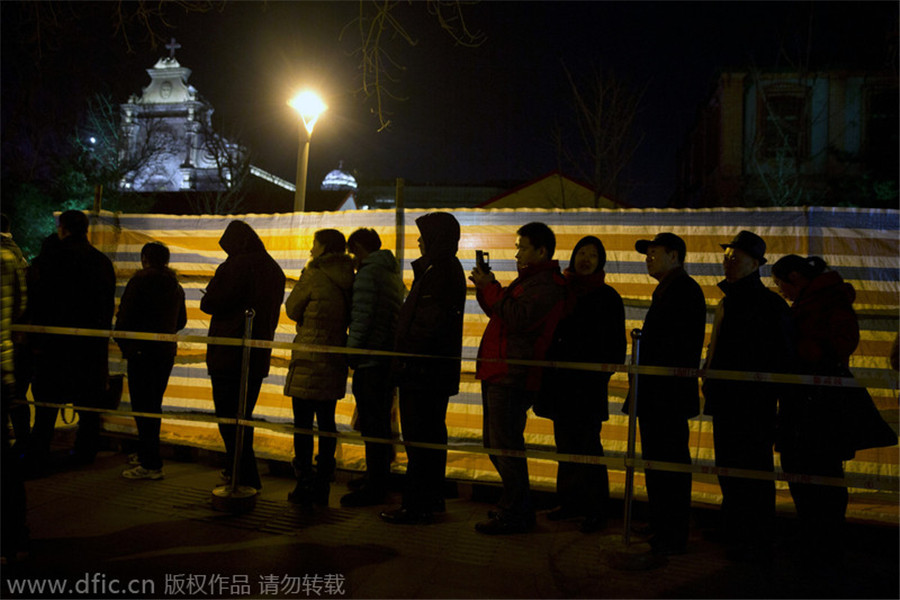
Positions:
{"x": 172, "y": 47}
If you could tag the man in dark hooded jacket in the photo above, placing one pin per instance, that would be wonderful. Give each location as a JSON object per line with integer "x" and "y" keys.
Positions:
{"x": 430, "y": 322}
{"x": 248, "y": 279}
{"x": 71, "y": 284}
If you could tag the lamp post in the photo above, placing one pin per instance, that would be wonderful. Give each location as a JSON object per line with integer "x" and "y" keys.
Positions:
{"x": 309, "y": 106}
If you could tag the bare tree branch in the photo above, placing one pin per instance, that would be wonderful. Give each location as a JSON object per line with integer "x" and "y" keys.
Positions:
{"x": 605, "y": 110}
{"x": 377, "y": 25}
{"x": 151, "y": 16}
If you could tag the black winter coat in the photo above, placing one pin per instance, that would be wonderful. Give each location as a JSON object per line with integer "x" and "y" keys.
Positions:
{"x": 249, "y": 278}
{"x": 153, "y": 301}
{"x": 593, "y": 331}
{"x": 672, "y": 336}
{"x": 72, "y": 284}
{"x": 827, "y": 421}
{"x": 431, "y": 319}
{"x": 752, "y": 332}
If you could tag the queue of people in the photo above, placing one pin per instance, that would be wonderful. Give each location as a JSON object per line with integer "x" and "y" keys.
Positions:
{"x": 358, "y": 301}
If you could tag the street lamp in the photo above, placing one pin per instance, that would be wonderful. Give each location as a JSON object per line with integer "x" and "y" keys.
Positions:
{"x": 309, "y": 106}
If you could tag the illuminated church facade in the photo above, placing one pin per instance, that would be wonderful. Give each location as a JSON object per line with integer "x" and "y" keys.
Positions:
{"x": 168, "y": 138}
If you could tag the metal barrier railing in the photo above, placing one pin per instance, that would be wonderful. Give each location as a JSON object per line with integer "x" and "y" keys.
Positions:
{"x": 628, "y": 462}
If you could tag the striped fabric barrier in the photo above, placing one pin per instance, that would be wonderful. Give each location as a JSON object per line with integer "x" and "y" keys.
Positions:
{"x": 860, "y": 243}
{"x": 867, "y": 482}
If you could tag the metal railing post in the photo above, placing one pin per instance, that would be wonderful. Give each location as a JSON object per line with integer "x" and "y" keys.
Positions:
{"x": 242, "y": 403}
{"x": 632, "y": 434}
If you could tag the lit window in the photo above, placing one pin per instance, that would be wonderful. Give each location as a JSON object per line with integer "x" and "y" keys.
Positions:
{"x": 784, "y": 121}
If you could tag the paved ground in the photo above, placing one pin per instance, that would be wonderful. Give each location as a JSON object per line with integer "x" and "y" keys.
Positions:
{"x": 96, "y": 533}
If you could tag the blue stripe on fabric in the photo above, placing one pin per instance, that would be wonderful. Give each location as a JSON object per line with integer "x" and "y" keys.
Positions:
{"x": 655, "y": 219}
{"x": 888, "y": 220}
{"x": 378, "y": 219}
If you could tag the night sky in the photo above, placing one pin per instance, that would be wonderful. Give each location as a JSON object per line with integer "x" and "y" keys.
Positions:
{"x": 472, "y": 116}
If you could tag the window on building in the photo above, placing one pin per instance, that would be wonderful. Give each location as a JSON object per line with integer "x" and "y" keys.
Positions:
{"x": 880, "y": 141}
{"x": 784, "y": 122}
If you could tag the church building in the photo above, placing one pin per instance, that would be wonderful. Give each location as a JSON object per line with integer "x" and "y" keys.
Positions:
{"x": 169, "y": 143}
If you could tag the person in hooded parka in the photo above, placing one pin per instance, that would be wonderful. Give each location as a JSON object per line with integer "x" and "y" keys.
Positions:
{"x": 248, "y": 279}
{"x": 430, "y": 323}
{"x": 320, "y": 304}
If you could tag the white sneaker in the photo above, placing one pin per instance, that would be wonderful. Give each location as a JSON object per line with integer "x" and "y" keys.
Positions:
{"x": 140, "y": 472}
{"x": 133, "y": 459}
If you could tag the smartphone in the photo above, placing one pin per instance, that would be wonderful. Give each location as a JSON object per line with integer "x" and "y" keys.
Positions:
{"x": 483, "y": 260}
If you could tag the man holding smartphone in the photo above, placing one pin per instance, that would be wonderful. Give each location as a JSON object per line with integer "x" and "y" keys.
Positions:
{"x": 523, "y": 317}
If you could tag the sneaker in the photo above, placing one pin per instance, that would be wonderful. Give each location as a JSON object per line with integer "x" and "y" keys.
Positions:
{"x": 133, "y": 459}
{"x": 140, "y": 472}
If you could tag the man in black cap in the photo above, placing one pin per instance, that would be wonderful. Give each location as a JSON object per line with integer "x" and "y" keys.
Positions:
{"x": 672, "y": 336}
{"x": 751, "y": 332}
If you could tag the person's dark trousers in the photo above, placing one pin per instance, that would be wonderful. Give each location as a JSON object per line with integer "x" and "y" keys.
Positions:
{"x": 374, "y": 397}
{"x": 505, "y": 412}
{"x": 20, "y": 414}
{"x": 226, "y": 398}
{"x": 87, "y": 437}
{"x": 423, "y": 418}
{"x": 323, "y": 413}
{"x": 821, "y": 509}
{"x": 580, "y": 487}
{"x": 745, "y": 440}
{"x": 667, "y": 439}
{"x": 148, "y": 377}
{"x": 12, "y": 490}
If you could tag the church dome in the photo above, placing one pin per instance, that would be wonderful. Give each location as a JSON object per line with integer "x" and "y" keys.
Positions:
{"x": 339, "y": 179}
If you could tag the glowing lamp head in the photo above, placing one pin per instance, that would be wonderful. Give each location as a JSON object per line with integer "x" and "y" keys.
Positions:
{"x": 309, "y": 106}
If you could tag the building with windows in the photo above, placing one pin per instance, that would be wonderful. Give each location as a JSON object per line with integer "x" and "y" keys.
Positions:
{"x": 168, "y": 142}
{"x": 776, "y": 138}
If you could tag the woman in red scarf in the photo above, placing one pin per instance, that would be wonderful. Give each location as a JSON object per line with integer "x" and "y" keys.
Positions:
{"x": 593, "y": 331}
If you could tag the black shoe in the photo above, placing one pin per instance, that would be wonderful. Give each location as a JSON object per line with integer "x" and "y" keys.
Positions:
{"x": 503, "y": 526}
{"x": 592, "y": 524}
{"x": 665, "y": 548}
{"x": 564, "y": 513}
{"x": 302, "y": 493}
{"x": 365, "y": 496}
{"x": 357, "y": 483}
{"x": 404, "y": 516}
{"x": 319, "y": 492}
